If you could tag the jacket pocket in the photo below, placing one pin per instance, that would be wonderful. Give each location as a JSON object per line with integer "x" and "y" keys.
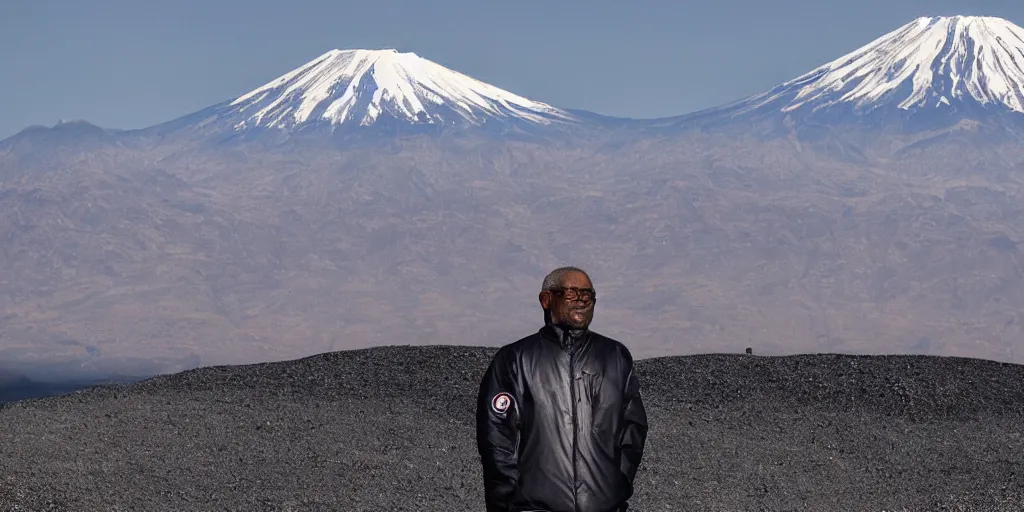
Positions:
{"x": 592, "y": 381}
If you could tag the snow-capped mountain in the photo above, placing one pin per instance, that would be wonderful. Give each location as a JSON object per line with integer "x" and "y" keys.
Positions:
{"x": 948, "y": 65}
{"x": 360, "y": 88}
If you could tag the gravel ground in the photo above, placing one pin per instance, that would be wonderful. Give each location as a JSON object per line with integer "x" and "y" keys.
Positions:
{"x": 392, "y": 429}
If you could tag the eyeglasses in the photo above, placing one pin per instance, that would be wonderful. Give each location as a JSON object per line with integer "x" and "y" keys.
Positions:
{"x": 585, "y": 294}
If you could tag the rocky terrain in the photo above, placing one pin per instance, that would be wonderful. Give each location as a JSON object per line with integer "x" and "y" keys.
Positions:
{"x": 391, "y": 428}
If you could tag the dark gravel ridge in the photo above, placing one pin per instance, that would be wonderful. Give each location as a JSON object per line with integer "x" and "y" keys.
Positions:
{"x": 391, "y": 428}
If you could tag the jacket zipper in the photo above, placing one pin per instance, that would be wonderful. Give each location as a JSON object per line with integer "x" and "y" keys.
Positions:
{"x": 572, "y": 391}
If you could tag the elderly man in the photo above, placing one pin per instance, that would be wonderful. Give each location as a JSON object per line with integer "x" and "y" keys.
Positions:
{"x": 560, "y": 423}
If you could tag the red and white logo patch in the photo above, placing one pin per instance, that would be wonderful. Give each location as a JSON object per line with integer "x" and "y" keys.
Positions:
{"x": 501, "y": 402}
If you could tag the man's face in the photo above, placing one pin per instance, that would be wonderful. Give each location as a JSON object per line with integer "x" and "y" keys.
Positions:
{"x": 576, "y": 313}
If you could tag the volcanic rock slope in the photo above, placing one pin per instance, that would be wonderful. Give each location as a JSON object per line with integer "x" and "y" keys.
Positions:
{"x": 374, "y": 197}
{"x": 392, "y": 428}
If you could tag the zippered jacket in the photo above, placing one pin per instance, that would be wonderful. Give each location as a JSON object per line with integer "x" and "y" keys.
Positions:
{"x": 561, "y": 424}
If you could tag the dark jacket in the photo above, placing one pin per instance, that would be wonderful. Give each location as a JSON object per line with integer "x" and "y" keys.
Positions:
{"x": 560, "y": 424}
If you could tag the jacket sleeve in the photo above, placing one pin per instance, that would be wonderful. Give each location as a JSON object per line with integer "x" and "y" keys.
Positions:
{"x": 635, "y": 432}
{"x": 497, "y": 433}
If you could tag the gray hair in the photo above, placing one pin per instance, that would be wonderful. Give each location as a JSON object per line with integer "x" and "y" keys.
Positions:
{"x": 554, "y": 278}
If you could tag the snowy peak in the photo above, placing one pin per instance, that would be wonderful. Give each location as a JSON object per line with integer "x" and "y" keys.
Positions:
{"x": 931, "y": 62}
{"x": 365, "y": 87}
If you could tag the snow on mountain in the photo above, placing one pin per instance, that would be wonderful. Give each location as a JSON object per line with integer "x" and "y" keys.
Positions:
{"x": 956, "y": 62}
{"x": 363, "y": 87}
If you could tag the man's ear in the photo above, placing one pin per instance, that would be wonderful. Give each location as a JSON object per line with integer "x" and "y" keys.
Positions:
{"x": 545, "y": 300}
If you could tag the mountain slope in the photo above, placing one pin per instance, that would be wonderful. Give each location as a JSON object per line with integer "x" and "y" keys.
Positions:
{"x": 942, "y": 68}
{"x": 701, "y": 246}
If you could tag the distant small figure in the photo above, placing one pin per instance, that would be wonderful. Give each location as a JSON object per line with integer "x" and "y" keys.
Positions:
{"x": 560, "y": 421}
{"x": 750, "y": 351}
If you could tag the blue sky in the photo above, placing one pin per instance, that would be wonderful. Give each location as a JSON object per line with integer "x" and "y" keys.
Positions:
{"x": 130, "y": 64}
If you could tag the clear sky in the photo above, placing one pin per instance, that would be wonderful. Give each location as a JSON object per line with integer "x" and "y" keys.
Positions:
{"x": 134, "y": 63}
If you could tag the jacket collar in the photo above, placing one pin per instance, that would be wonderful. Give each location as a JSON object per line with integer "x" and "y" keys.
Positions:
{"x": 566, "y": 338}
